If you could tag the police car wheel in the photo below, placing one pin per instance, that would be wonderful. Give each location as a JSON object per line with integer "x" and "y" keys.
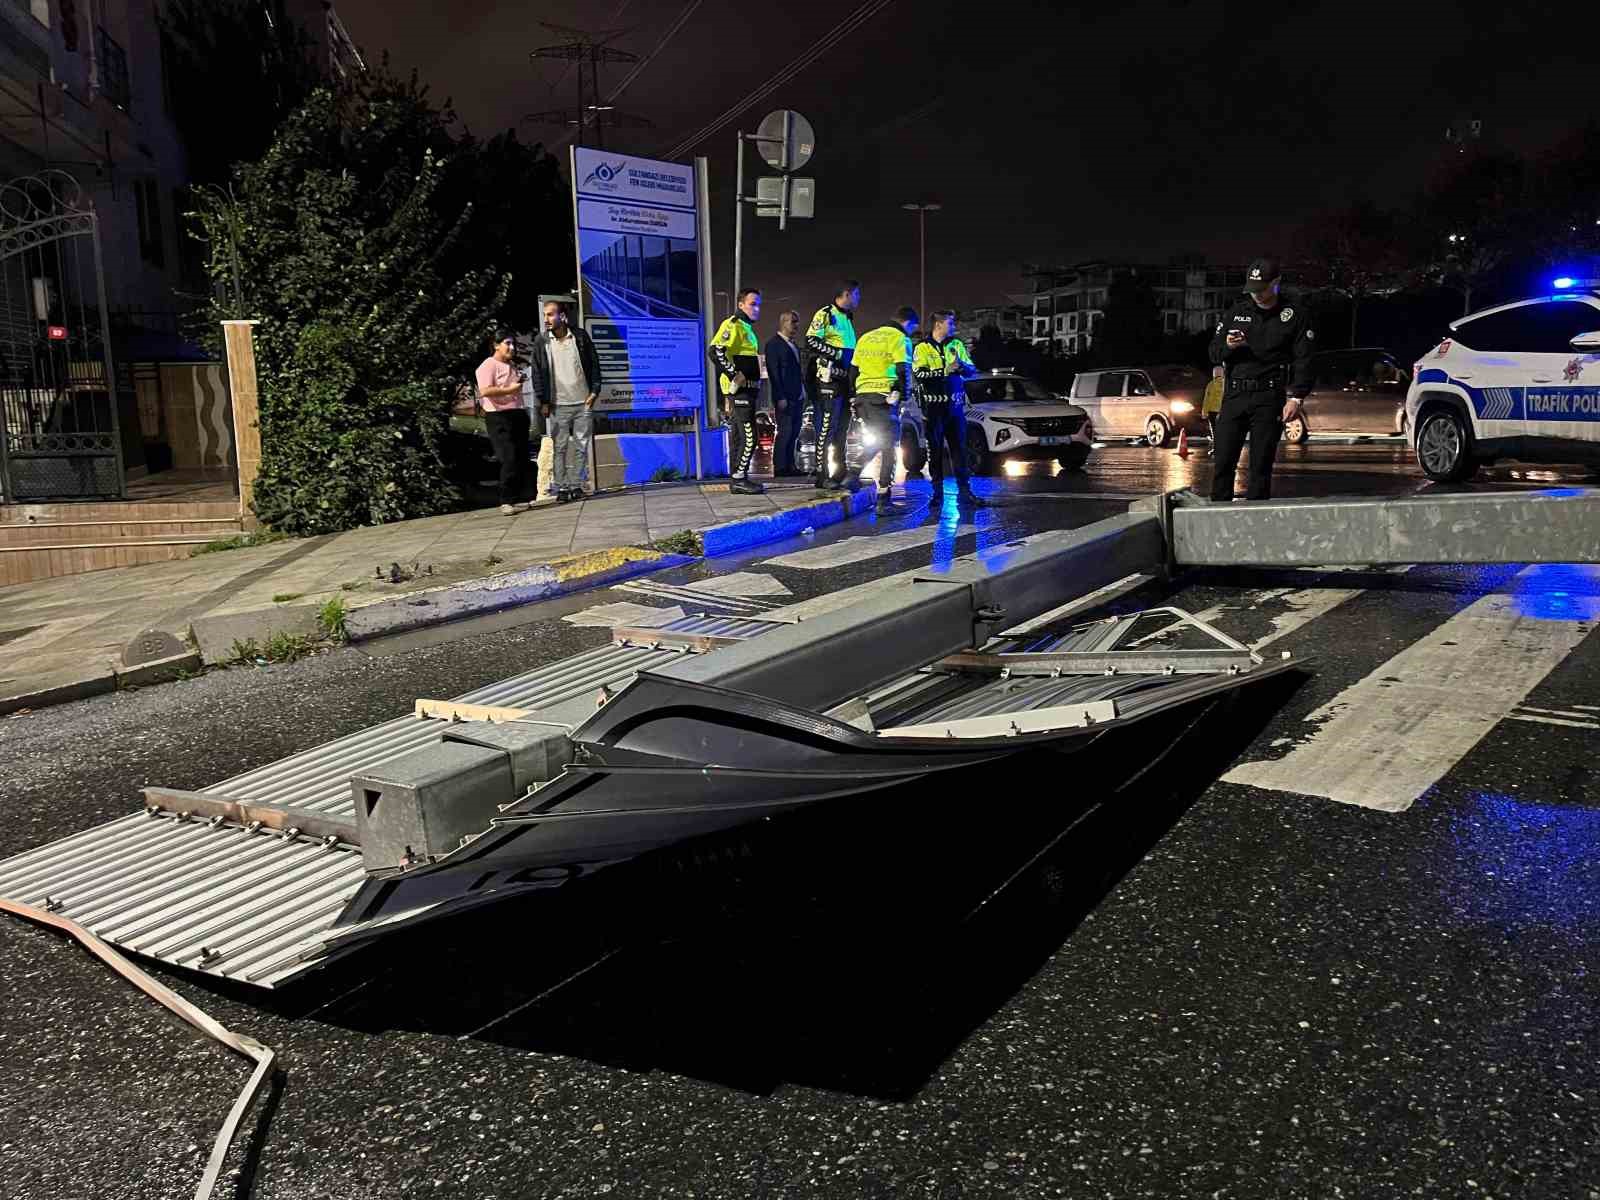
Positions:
{"x": 1443, "y": 447}
{"x": 1295, "y": 432}
{"x": 1156, "y": 432}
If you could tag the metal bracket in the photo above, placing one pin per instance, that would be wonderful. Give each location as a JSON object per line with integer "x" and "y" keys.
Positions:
{"x": 1098, "y": 653}
{"x": 452, "y": 710}
{"x": 662, "y": 639}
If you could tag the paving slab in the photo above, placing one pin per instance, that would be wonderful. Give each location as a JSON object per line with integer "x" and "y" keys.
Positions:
{"x": 69, "y": 632}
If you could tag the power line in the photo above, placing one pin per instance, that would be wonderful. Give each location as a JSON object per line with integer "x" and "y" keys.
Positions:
{"x": 820, "y": 47}
{"x": 682, "y": 20}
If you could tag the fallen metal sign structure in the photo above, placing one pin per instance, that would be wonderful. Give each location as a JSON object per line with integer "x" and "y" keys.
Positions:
{"x": 704, "y": 725}
{"x": 698, "y": 726}
{"x": 665, "y": 735}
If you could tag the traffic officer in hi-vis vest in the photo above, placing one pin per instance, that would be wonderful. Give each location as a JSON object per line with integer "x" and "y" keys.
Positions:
{"x": 883, "y": 380}
{"x": 831, "y": 342}
{"x": 942, "y": 367}
{"x": 736, "y": 353}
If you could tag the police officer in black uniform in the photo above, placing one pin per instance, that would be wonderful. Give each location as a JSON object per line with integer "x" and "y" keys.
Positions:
{"x": 1265, "y": 346}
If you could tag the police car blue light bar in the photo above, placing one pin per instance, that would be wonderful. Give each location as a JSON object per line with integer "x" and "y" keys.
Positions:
{"x": 1566, "y": 283}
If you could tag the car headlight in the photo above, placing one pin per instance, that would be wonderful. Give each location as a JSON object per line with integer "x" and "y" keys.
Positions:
{"x": 1181, "y": 406}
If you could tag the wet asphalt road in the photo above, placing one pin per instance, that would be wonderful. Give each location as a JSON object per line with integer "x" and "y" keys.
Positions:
{"x": 1207, "y": 989}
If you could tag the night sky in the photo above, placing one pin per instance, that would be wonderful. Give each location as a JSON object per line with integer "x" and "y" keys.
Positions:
{"x": 1050, "y": 132}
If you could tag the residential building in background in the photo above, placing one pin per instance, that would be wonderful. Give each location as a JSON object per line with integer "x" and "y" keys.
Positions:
{"x": 1014, "y": 319}
{"x": 87, "y": 125}
{"x": 1067, "y": 304}
{"x": 81, "y": 90}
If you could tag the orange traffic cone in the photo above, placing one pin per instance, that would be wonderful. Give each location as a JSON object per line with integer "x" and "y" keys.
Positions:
{"x": 1183, "y": 443}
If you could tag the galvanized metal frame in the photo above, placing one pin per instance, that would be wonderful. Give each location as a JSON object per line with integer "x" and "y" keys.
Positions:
{"x": 1560, "y": 525}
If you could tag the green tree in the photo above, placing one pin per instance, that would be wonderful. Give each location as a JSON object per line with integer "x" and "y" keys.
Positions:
{"x": 1472, "y": 221}
{"x": 1566, "y": 196}
{"x": 340, "y": 243}
{"x": 1354, "y": 252}
{"x": 522, "y": 213}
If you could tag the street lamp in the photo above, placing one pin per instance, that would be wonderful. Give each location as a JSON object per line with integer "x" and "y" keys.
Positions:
{"x": 922, "y": 211}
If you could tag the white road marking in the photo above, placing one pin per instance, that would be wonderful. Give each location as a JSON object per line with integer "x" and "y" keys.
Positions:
{"x": 1304, "y": 606}
{"x": 1559, "y": 712}
{"x": 740, "y": 583}
{"x": 610, "y": 616}
{"x": 686, "y": 595}
{"x": 1528, "y": 716}
{"x": 1385, "y": 740}
{"x": 862, "y": 549}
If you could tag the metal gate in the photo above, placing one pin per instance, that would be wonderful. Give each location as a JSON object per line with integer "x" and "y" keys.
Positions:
{"x": 59, "y": 437}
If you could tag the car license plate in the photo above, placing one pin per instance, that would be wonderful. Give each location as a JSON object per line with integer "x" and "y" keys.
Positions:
{"x": 1053, "y": 441}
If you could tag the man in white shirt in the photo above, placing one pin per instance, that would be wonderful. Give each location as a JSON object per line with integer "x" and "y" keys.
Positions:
{"x": 567, "y": 381}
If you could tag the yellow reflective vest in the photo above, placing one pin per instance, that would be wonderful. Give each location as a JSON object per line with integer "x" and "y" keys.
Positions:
{"x": 883, "y": 362}
{"x": 735, "y": 349}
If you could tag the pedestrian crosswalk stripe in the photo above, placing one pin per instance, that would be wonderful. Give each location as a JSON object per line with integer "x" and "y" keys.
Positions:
{"x": 1385, "y": 740}
{"x": 863, "y": 549}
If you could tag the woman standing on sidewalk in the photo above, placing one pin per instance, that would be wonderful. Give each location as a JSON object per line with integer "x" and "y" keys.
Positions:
{"x": 506, "y": 420}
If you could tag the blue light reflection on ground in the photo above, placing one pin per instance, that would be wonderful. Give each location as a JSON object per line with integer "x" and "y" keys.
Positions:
{"x": 1557, "y": 592}
{"x": 1535, "y": 865}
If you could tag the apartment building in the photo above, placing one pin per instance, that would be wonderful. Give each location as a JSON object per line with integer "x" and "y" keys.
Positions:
{"x": 1068, "y": 303}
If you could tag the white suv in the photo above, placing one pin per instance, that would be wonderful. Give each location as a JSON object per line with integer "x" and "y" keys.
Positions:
{"x": 1517, "y": 381}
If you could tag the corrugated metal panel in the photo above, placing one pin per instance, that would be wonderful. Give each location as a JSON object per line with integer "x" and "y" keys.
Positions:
{"x": 1022, "y": 695}
{"x": 729, "y": 627}
{"x": 215, "y": 898}
{"x": 318, "y": 780}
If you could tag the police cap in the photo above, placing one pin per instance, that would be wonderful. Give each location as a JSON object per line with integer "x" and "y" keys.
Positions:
{"x": 1263, "y": 273}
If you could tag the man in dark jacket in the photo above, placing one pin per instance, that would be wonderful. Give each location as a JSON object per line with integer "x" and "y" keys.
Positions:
{"x": 786, "y": 385}
{"x": 1265, "y": 344}
{"x": 566, "y": 381}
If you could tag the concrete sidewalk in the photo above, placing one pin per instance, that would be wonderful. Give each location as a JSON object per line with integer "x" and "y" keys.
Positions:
{"x": 64, "y": 638}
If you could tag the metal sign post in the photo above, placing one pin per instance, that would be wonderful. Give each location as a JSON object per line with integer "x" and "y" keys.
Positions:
{"x": 786, "y": 141}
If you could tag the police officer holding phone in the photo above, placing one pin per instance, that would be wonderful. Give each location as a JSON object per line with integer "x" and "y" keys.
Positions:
{"x": 1265, "y": 346}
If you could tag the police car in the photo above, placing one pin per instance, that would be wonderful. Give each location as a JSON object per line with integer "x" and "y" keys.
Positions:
{"x": 1011, "y": 418}
{"x": 1519, "y": 381}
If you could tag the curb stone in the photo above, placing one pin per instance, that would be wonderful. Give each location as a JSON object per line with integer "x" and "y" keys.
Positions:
{"x": 419, "y": 610}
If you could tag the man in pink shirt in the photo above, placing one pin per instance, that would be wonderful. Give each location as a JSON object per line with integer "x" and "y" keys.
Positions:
{"x": 506, "y": 420}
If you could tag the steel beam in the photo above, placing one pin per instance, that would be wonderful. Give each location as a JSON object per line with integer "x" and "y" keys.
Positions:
{"x": 1560, "y": 525}
{"x": 1098, "y": 662}
{"x": 846, "y": 653}
{"x": 248, "y": 812}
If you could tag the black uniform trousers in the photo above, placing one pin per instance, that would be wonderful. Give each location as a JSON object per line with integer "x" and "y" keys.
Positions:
{"x": 1257, "y": 415}
{"x": 880, "y": 419}
{"x": 831, "y": 420}
{"x": 946, "y": 417}
{"x": 742, "y": 416}
{"x": 508, "y": 436}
